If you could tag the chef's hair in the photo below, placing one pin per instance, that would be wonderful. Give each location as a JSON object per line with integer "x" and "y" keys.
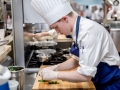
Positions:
{"x": 70, "y": 14}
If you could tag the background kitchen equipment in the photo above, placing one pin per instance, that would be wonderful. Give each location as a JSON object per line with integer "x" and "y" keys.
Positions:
{"x": 46, "y": 51}
{"x": 42, "y": 43}
{"x": 115, "y": 33}
{"x": 17, "y": 73}
{"x": 43, "y": 57}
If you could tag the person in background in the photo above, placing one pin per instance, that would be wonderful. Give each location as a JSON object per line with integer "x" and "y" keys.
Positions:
{"x": 87, "y": 13}
{"x": 114, "y": 13}
{"x": 98, "y": 15}
{"x": 93, "y": 53}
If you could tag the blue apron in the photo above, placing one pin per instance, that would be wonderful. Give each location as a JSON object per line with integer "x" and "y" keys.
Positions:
{"x": 75, "y": 49}
{"x": 107, "y": 77}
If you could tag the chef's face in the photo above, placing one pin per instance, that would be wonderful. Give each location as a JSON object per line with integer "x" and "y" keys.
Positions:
{"x": 62, "y": 26}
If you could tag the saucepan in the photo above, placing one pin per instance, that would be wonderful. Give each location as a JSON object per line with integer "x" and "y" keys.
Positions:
{"x": 43, "y": 57}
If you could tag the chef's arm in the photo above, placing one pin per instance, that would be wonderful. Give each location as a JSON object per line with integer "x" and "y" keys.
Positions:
{"x": 73, "y": 76}
{"x": 68, "y": 65}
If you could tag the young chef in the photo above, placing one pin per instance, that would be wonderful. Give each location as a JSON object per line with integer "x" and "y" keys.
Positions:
{"x": 94, "y": 52}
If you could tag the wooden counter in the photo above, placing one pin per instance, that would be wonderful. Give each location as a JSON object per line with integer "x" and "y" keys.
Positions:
{"x": 63, "y": 85}
{"x": 7, "y": 49}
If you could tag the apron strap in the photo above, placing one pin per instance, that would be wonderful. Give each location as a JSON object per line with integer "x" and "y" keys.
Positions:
{"x": 77, "y": 29}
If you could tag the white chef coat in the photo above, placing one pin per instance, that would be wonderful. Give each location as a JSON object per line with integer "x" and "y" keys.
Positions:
{"x": 98, "y": 47}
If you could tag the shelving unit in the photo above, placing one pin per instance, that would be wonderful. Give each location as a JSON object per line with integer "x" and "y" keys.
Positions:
{"x": 7, "y": 49}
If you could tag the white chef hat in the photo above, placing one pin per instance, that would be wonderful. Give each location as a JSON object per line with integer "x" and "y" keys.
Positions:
{"x": 52, "y": 10}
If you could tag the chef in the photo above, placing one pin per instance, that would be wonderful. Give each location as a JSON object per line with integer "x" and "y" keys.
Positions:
{"x": 114, "y": 13}
{"x": 94, "y": 52}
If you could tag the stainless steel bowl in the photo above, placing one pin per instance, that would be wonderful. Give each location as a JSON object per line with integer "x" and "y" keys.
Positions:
{"x": 17, "y": 75}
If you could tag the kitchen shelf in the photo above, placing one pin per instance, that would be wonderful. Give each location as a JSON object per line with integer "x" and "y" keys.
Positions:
{"x": 7, "y": 49}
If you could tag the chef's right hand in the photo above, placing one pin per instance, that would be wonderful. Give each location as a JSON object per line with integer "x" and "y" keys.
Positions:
{"x": 48, "y": 74}
{"x": 53, "y": 68}
{"x": 4, "y": 74}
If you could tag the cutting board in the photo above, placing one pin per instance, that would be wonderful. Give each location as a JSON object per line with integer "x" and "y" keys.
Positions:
{"x": 62, "y": 85}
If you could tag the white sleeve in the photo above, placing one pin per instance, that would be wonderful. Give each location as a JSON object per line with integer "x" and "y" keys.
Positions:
{"x": 53, "y": 33}
{"x": 90, "y": 56}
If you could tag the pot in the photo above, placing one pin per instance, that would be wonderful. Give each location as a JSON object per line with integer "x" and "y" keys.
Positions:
{"x": 17, "y": 73}
{"x": 43, "y": 57}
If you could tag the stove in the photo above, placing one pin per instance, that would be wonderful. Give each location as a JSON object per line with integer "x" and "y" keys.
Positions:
{"x": 34, "y": 62}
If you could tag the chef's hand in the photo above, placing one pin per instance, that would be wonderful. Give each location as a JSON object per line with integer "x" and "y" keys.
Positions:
{"x": 4, "y": 74}
{"x": 38, "y": 35}
{"x": 48, "y": 74}
{"x": 54, "y": 67}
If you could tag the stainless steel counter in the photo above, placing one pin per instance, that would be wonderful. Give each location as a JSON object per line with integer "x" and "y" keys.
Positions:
{"x": 29, "y": 81}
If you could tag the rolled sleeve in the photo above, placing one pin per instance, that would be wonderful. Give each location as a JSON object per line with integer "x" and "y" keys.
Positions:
{"x": 88, "y": 71}
{"x": 75, "y": 57}
{"x": 90, "y": 56}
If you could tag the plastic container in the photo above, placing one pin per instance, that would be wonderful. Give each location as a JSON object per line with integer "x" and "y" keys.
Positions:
{"x": 13, "y": 84}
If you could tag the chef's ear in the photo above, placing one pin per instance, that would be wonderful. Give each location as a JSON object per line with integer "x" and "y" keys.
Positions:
{"x": 64, "y": 18}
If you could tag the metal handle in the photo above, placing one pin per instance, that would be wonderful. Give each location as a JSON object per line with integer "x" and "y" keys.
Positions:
{"x": 3, "y": 42}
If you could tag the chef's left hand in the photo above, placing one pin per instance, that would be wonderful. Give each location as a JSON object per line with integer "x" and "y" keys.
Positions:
{"x": 48, "y": 74}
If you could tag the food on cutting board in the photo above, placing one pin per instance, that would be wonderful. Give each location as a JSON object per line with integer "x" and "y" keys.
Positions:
{"x": 49, "y": 81}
